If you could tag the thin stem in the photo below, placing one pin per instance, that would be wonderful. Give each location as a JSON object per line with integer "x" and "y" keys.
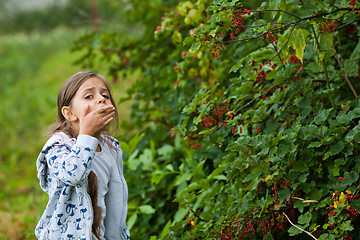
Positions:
{"x": 300, "y": 227}
{"x": 345, "y": 73}
{"x": 196, "y": 215}
{"x": 278, "y": 54}
{"x": 287, "y": 41}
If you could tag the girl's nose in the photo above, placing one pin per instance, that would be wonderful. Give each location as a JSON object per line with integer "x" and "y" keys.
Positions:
{"x": 101, "y": 100}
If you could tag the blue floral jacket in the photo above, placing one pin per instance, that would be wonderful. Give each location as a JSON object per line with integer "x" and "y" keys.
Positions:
{"x": 63, "y": 167}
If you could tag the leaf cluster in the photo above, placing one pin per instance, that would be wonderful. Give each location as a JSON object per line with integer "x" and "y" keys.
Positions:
{"x": 248, "y": 115}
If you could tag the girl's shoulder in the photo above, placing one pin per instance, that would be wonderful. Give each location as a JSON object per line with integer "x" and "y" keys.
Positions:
{"x": 111, "y": 142}
{"x": 57, "y": 138}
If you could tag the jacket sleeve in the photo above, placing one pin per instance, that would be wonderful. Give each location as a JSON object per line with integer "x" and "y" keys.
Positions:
{"x": 72, "y": 165}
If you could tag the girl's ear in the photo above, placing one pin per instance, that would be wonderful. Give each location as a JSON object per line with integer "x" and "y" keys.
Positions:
{"x": 68, "y": 114}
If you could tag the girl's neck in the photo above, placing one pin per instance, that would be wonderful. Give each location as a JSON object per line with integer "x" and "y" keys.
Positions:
{"x": 98, "y": 149}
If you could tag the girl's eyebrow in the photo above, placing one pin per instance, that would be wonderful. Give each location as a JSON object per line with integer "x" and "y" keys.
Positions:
{"x": 88, "y": 89}
{"x": 92, "y": 88}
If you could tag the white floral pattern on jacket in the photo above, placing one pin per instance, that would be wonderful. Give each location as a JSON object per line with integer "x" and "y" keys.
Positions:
{"x": 63, "y": 167}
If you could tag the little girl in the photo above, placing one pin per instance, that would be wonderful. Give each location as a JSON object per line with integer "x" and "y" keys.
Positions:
{"x": 81, "y": 169}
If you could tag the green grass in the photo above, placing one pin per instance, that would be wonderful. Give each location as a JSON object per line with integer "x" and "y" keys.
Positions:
{"x": 33, "y": 67}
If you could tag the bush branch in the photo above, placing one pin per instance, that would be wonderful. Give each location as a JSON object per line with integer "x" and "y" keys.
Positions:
{"x": 345, "y": 73}
{"x": 299, "y": 227}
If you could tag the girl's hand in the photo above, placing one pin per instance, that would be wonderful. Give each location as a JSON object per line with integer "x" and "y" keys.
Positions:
{"x": 94, "y": 122}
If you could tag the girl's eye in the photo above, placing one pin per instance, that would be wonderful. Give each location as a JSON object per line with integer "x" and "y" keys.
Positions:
{"x": 105, "y": 96}
{"x": 88, "y": 96}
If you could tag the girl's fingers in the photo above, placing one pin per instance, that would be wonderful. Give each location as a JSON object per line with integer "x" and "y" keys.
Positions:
{"x": 86, "y": 110}
{"x": 107, "y": 108}
{"x": 106, "y": 115}
{"x": 108, "y": 121}
{"x": 99, "y": 118}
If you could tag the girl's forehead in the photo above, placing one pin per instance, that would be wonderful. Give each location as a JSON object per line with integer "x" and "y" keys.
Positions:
{"x": 92, "y": 82}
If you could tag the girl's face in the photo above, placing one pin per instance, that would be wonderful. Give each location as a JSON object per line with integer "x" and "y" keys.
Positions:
{"x": 91, "y": 95}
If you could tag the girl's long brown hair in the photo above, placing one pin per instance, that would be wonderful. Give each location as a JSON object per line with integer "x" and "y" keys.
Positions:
{"x": 65, "y": 96}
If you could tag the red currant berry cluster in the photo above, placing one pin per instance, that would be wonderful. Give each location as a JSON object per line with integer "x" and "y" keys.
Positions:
{"x": 347, "y": 238}
{"x": 194, "y": 145}
{"x": 331, "y": 211}
{"x": 269, "y": 37}
{"x": 353, "y": 213}
{"x": 193, "y": 139}
{"x": 237, "y": 23}
{"x": 329, "y": 26}
{"x": 351, "y": 197}
{"x": 208, "y": 122}
{"x": 352, "y": 4}
{"x": 294, "y": 59}
{"x": 215, "y": 51}
{"x": 257, "y": 129}
{"x": 261, "y": 76}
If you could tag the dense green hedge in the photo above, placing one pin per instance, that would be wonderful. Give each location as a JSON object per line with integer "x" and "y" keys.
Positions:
{"x": 246, "y": 116}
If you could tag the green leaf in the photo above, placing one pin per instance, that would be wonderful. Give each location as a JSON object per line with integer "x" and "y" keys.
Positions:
{"x": 146, "y": 159}
{"x": 165, "y": 150}
{"x": 156, "y": 176}
{"x": 326, "y": 41}
{"x": 305, "y": 106}
{"x": 294, "y": 231}
{"x": 135, "y": 141}
{"x": 131, "y": 221}
{"x": 350, "y": 177}
{"x": 176, "y": 38}
{"x": 180, "y": 214}
{"x": 253, "y": 184}
{"x": 182, "y": 178}
{"x": 146, "y": 209}
{"x": 304, "y": 219}
{"x": 303, "y": 177}
{"x": 195, "y": 46}
{"x": 218, "y": 171}
{"x": 284, "y": 194}
{"x": 271, "y": 125}
{"x": 352, "y": 134}
{"x": 335, "y": 149}
{"x": 298, "y": 41}
{"x": 322, "y": 116}
{"x": 133, "y": 161}
{"x": 334, "y": 170}
{"x": 346, "y": 226}
{"x": 268, "y": 236}
{"x": 165, "y": 229}
{"x": 314, "y": 145}
{"x": 326, "y": 237}
{"x": 125, "y": 147}
{"x": 221, "y": 177}
{"x": 351, "y": 65}
{"x": 338, "y": 147}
